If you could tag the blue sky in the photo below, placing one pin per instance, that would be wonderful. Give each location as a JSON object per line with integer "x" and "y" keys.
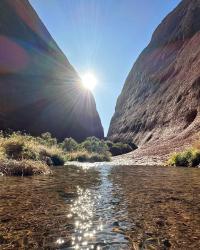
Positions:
{"x": 103, "y": 36}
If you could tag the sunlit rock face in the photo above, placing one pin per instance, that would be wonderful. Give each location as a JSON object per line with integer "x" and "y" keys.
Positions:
{"x": 40, "y": 90}
{"x": 161, "y": 96}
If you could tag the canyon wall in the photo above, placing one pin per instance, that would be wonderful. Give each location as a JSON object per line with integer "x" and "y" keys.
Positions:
{"x": 160, "y": 100}
{"x": 40, "y": 90}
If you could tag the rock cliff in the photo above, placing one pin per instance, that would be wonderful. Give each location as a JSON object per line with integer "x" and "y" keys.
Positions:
{"x": 40, "y": 90}
{"x": 159, "y": 106}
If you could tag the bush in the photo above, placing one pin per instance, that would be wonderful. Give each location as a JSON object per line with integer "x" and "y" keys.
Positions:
{"x": 13, "y": 148}
{"x": 85, "y": 156}
{"x": 69, "y": 145}
{"x": 52, "y": 155}
{"x": 188, "y": 158}
{"x": 195, "y": 161}
{"x": 78, "y": 156}
{"x": 46, "y": 138}
{"x": 25, "y": 147}
{"x": 109, "y": 144}
{"x": 19, "y": 147}
{"x": 23, "y": 167}
{"x": 100, "y": 157}
{"x": 93, "y": 144}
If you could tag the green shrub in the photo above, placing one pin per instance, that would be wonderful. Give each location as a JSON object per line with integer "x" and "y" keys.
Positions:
{"x": 100, "y": 157}
{"x": 85, "y": 156}
{"x": 25, "y": 147}
{"x": 22, "y": 154}
{"x": 69, "y": 145}
{"x": 18, "y": 147}
{"x": 46, "y": 138}
{"x": 93, "y": 144}
{"x": 195, "y": 161}
{"x": 109, "y": 144}
{"x": 78, "y": 156}
{"x": 82, "y": 157}
{"x": 188, "y": 158}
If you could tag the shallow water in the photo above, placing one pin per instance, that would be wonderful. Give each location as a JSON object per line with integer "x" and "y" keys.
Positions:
{"x": 102, "y": 207}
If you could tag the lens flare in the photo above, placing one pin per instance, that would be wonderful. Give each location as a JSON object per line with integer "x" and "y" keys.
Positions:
{"x": 89, "y": 80}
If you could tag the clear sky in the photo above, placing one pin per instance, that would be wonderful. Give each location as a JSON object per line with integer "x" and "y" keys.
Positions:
{"x": 104, "y": 37}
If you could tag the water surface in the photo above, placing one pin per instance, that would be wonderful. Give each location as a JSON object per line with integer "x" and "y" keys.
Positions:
{"x": 102, "y": 207}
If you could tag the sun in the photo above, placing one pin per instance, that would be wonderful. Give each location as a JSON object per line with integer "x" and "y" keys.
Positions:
{"x": 89, "y": 80}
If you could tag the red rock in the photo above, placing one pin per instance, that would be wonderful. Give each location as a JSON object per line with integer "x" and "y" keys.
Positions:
{"x": 158, "y": 108}
{"x": 40, "y": 90}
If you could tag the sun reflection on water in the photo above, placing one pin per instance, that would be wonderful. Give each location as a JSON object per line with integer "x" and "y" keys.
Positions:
{"x": 83, "y": 212}
{"x": 94, "y": 216}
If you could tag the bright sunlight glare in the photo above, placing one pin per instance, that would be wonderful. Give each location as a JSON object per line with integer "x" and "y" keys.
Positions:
{"x": 89, "y": 80}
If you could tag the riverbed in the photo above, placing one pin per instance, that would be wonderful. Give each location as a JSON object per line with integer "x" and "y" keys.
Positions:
{"x": 99, "y": 206}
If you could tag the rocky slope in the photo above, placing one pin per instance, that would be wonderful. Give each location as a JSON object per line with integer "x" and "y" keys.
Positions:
{"x": 159, "y": 107}
{"x": 40, "y": 90}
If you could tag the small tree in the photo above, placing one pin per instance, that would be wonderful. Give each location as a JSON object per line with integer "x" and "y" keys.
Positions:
{"x": 93, "y": 144}
{"x": 48, "y": 139}
{"x": 69, "y": 144}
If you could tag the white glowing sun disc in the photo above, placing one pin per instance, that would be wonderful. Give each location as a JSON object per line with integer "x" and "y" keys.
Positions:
{"x": 89, "y": 81}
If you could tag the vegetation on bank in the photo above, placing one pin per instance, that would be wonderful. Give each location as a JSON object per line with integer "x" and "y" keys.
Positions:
{"x": 24, "y": 155}
{"x": 85, "y": 156}
{"x": 93, "y": 149}
{"x": 23, "y": 167}
{"x": 90, "y": 150}
{"x": 188, "y": 158}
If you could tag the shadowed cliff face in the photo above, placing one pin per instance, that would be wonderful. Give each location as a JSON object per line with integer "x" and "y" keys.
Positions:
{"x": 161, "y": 96}
{"x": 40, "y": 90}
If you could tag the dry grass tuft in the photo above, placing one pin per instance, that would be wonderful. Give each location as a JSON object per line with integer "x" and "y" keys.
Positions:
{"x": 23, "y": 167}
{"x": 25, "y": 155}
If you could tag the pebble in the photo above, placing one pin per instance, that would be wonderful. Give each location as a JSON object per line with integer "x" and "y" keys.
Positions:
{"x": 160, "y": 223}
{"x": 116, "y": 224}
{"x": 166, "y": 243}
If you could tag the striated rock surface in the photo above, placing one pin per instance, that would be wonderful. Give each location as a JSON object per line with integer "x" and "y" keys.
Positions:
{"x": 159, "y": 107}
{"x": 40, "y": 90}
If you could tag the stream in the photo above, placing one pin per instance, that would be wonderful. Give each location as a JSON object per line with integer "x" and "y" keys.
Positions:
{"x": 102, "y": 207}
